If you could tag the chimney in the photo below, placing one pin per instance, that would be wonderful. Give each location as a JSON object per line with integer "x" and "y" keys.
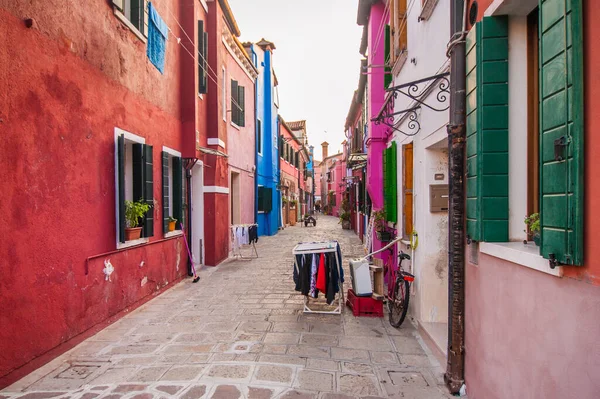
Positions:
{"x": 324, "y": 146}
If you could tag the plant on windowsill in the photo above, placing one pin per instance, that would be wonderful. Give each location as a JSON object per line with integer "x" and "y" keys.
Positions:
{"x": 533, "y": 227}
{"x": 134, "y": 211}
{"x": 284, "y": 201}
{"x": 293, "y": 204}
{"x": 172, "y": 223}
{"x": 381, "y": 233}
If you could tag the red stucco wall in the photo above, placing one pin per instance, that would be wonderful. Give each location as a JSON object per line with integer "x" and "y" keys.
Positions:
{"x": 65, "y": 87}
{"x": 529, "y": 334}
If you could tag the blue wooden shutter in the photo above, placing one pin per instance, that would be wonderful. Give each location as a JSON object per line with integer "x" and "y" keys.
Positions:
{"x": 561, "y": 131}
{"x": 487, "y": 130}
{"x": 121, "y": 185}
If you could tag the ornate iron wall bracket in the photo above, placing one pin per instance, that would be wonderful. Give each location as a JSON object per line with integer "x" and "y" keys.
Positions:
{"x": 418, "y": 91}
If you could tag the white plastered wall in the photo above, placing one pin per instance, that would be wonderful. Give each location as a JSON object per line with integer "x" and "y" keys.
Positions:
{"x": 429, "y": 302}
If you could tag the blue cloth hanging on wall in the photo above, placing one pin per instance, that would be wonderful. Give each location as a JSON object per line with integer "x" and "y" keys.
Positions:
{"x": 157, "y": 39}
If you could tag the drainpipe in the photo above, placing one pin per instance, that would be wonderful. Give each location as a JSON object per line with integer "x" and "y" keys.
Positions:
{"x": 255, "y": 62}
{"x": 454, "y": 376}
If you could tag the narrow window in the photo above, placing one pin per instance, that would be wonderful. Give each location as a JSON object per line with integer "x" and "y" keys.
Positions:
{"x": 224, "y": 94}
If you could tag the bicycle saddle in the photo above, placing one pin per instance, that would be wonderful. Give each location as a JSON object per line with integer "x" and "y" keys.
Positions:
{"x": 404, "y": 256}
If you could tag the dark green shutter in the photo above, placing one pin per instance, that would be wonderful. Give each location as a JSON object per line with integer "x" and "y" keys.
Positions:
{"x": 148, "y": 230}
{"x": 202, "y": 59}
{"x": 242, "y": 104}
{"x": 561, "y": 130}
{"x": 259, "y": 136}
{"x": 393, "y": 190}
{"x": 177, "y": 191}
{"x": 487, "y": 130}
{"x": 261, "y": 200}
{"x": 165, "y": 191}
{"x": 388, "y": 58}
{"x": 121, "y": 185}
{"x": 234, "y": 102}
{"x": 137, "y": 151}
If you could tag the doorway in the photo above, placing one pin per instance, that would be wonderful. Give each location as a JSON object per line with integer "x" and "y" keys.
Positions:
{"x": 198, "y": 214}
{"x": 235, "y": 198}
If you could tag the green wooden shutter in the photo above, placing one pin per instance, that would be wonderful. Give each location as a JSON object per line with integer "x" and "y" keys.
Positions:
{"x": 165, "y": 191}
{"x": 561, "y": 130}
{"x": 234, "y": 102}
{"x": 148, "y": 230}
{"x": 202, "y": 59}
{"x": 121, "y": 185}
{"x": 385, "y": 180}
{"x": 393, "y": 183}
{"x": 388, "y": 58}
{"x": 242, "y": 105}
{"x": 177, "y": 190}
{"x": 268, "y": 199}
{"x": 487, "y": 130}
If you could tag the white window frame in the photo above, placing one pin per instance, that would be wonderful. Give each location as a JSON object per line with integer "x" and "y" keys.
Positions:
{"x": 134, "y": 139}
{"x": 125, "y": 19}
{"x": 172, "y": 153}
{"x": 515, "y": 251}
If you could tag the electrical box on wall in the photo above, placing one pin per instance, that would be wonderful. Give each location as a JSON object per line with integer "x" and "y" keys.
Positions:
{"x": 438, "y": 198}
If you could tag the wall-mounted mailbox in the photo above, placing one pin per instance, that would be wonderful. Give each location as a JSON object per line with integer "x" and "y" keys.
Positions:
{"x": 438, "y": 198}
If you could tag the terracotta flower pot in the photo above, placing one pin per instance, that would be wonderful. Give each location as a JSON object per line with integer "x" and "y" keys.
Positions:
{"x": 172, "y": 225}
{"x": 132, "y": 233}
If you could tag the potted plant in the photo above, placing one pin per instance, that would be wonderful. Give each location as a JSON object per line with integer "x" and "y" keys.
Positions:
{"x": 133, "y": 212}
{"x": 345, "y": 220}
{"x": 533, "y": 227}
{"x": 172, "y": 222}
{"x": 293, "y": 204}
{"x": 382, "y": 234}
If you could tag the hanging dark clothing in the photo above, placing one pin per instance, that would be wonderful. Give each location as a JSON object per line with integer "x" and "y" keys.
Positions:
{"x": 252, "y": 234}
{"x": 302, "y": 273}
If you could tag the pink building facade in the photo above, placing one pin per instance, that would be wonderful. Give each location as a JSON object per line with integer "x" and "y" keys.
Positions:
{"x": 238, "y": 75}
{"x": 371, "y": 16}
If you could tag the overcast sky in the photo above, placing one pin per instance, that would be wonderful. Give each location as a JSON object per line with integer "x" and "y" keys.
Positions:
{"x": 316, "y": 61}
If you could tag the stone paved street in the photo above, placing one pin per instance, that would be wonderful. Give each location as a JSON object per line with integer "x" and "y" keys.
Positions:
{"x": 240, "y": 333}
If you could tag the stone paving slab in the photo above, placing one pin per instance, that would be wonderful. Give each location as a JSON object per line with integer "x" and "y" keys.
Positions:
{"x": 240, "y": 333}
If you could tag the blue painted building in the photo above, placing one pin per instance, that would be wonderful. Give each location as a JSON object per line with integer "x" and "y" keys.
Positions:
{"x": 268, "y": 197}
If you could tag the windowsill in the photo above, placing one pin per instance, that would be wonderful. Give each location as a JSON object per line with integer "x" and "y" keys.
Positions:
{"x": 428, "y": 7}
{"x": 262, "y": 212}
{"x": 399, "y": 64}
{"x": 235, "y": 126}
{"x": 132, "y": 243}
{"x": 200, "y": 96}
{"x": 521, "y": 254}
{"x": 173, "y": 233}
{"x": 128, "y": 23}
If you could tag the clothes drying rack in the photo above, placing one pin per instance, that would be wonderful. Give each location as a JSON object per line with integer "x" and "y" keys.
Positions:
{"x": 237, "y": 252}
{"x": 319, "y": 248}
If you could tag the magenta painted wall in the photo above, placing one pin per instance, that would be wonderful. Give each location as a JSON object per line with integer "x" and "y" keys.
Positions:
{"x": 376, "y": 141}
{"x": 241, "y": 141}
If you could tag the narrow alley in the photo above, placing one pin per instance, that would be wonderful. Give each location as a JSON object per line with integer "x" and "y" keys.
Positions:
{"x": 241, "y": 333}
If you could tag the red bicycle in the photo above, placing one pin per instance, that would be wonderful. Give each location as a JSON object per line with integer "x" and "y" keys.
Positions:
{"x": 398, "y": 294}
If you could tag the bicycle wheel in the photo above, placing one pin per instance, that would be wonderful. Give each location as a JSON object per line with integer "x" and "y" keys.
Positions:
{"x": 398, "y": 305}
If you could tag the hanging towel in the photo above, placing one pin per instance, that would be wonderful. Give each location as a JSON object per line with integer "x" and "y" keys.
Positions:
{"x": 157, "y": 39}
{"x": 321, "y": 275}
